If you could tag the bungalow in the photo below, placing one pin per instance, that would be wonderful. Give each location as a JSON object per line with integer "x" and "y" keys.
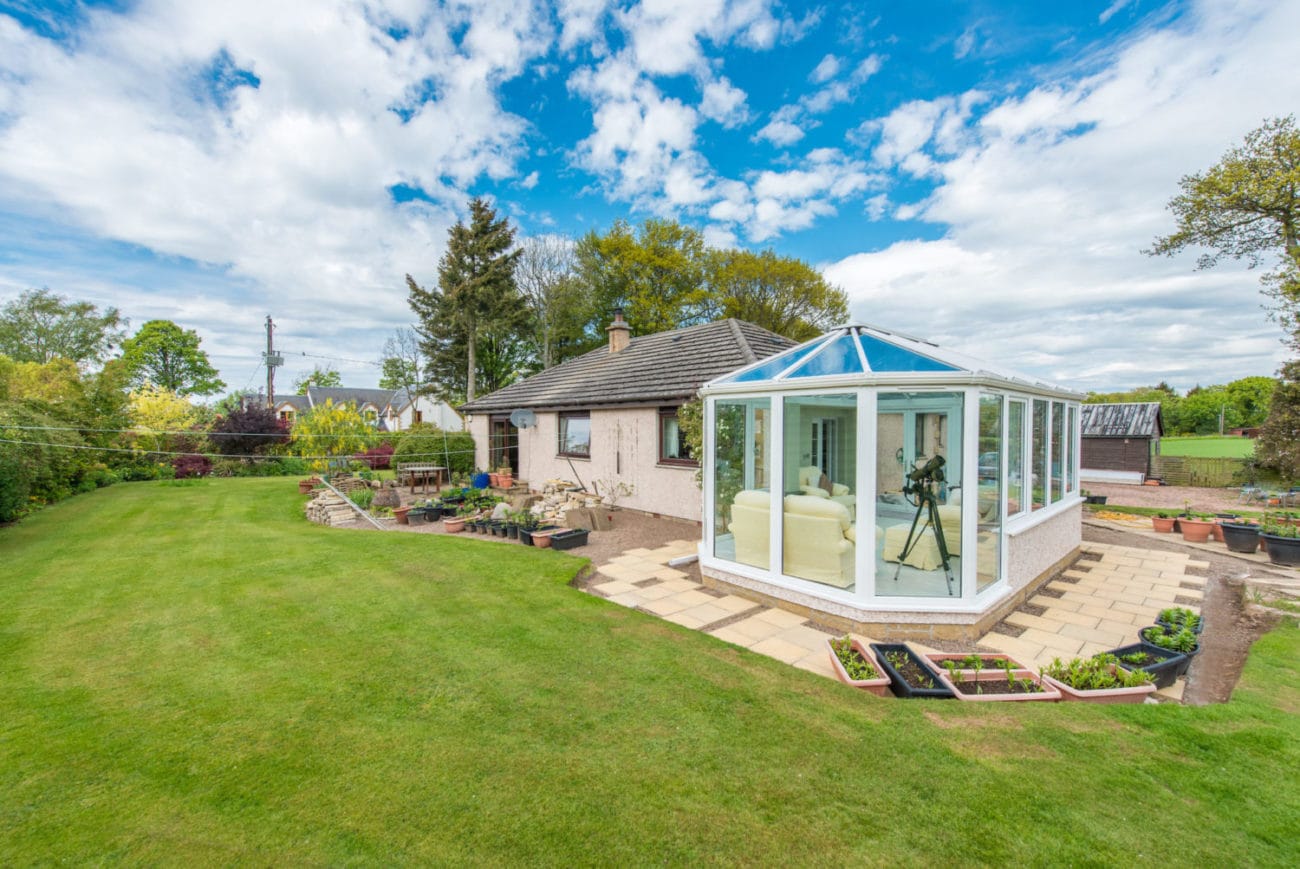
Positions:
{"x": 608, "y": 419}
{"x": 387, "y": 409}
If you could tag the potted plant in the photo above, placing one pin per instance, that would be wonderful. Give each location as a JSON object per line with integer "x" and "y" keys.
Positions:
{"x": 1196, "y": 529}
{"x": 969, "y": 679}
{"x": 1182, "y": 641}
{"x": 542, "y": 537}
{"x": 855, "y": 665}
{"x": 1163, "y": 522}
{"x": 910, "y": 675}
{"x": 1240, "y": 536}
{"x": 1282, "y": 542}
{"x": 505, "y": 476}
{"x": 416, "y": 516}
{"x": 399, "y": 513}
{"x": 453, "y": 524}
{"x": 1163, "y": 665}
{"x": 1175, "y": 618}
{"x": 1099, "y": 679}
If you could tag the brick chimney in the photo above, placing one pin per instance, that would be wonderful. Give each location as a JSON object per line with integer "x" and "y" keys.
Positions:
{"x": 620, "y": 333}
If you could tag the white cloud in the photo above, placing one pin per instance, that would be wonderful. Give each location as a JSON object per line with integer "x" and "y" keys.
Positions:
{"x": 788, "y": 124}
{"x": 964, "y": 43}
{"x": 1049, "y": 197}
{"x": 725, "y": 103}
{"x": 826, "y": 70}
{"x": 1113, "y": 8}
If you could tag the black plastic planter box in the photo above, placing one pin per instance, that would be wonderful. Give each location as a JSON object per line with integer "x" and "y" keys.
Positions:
{"x": 417, "y": 516}
{"x": 569, "y": 539}
{"x": 1240, "y": 538}
{"x": 1168, "y": 666}
{"x": 898, "y": 684}
{"x": 1283, "y": 550}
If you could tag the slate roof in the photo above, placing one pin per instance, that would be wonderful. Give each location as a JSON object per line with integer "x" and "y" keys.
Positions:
{"x": 1131, "y": 420}
{"x": 661, "y": 368}
{"x": 297, "y": 402}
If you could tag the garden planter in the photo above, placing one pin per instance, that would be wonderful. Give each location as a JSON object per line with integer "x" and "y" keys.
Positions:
{"x": 1216, "y": 531}
{"x": 453, "y": 524}
{"x": 542, "y": 539}
{"x": 1196, "y": 530}
{"x": 505, "y": 481}
{"x": 1147, "y": 633}
{"x": 569, "y": 539}
{"x": 1099, "y": 500}
{"x": 417, "y": 516}
{"x": 480, "y": 481}
{"x": 1282, "y": 550}
{"x": 912, "y": 675}
{"x": 878, "y": 686}
{"x": 526, "y": 534}
{"x": 992, "y": 660}
{"x": 988, "y": 686}
{"x": 1171, "y": 626}
{"x": 399, "y": 513}
{"x": 1163, "y": 665}
{"x": 494, "y": 480}
{"x": 1240, "y": 537}
{"x": 1163, "y": 525}
{"x": 512, "y": 531}
{"x": 305, "y": 486}
{"x": 1136, "y": 694}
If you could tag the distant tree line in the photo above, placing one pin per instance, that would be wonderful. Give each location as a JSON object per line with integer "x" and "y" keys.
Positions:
{"x": 501, "y": 311}
{"x": 1243, "y": 403}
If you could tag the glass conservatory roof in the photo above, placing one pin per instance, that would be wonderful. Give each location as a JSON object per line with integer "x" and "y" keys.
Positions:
{"x": 860, "y": 350}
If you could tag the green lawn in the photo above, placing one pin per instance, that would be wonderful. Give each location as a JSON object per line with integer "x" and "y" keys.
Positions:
{"x": 1213, "y": 447}
{"x": 194, "y": 674}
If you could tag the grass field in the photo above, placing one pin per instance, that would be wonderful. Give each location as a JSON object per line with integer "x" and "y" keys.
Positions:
{"x": 1208, "y": 447}
{"x": 192, "y": 673}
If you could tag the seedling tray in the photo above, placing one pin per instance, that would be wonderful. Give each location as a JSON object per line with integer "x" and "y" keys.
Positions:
{"x": 898, "y": 684}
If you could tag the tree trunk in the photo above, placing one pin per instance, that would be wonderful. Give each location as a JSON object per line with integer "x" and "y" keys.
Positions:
{"x": 471, "y": 342}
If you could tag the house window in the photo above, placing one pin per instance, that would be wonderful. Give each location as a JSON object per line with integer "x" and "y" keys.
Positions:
{"x": 673, "y": 449}
{"x": 575, "y": 434}
{"x": 286, "y": 416}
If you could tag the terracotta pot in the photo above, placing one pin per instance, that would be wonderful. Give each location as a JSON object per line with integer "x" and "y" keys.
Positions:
{"x": 542, "y": 539}
{"x": 453, "y": 524}
{"x": 1049, "y": 693}
{"x": 494, "y": 480}
{"x": 506, "y": 480}
{"x": 878, "y": 686}
{"x": 1136, "y": 694}
{"x": 1196, "y": 530}
{"x": 399, "y": 513}
{"x": 1164, "y": 526}
{"x": 1216, "y": 531}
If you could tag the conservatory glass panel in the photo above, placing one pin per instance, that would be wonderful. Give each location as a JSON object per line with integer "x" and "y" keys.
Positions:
{"x": 741, "y": 484}
{"x": 919, "y": 520}
{"x": 1059, "y": 457}
{"x": 1038, "y": 454}
{"x": 988, "y": 542}
{"x": 883, "y": 356}
{"x": 820, "y": 507}
{"x": 1017, "y": 497}
{"x": 775, "y": 366}
{"x": 1071, "y": 440}
{"x": 839, "y": 357}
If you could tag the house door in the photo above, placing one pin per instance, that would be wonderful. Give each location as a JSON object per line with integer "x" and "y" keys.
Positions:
{"x": 503, "y": 444}
{"x": 825, "y": 446}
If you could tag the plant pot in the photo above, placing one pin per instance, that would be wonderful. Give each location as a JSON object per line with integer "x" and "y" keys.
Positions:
{"x": 878, "y": 686}
{"x": 1148, "y": 632}
{"x": 1216, "y": 531}
{"x": 569, "y": 539}
{"x": 1241, "y": 538}
{"x": 1167, "y": 665}
{"x": 1170, "y": 628}
{"x": 453, "y": 524}
{"x": 993, "y": 660}
{"x": 1196, "y": 530}
{"x": 417, "y": 516}
{"x": 399, "y": 513}
{"x": 1095, "y": 499}
{"x": 1136, "y": 694}
{"x": 512, "y": 531}
{"x": 506, "y": 480}
{"x": 494, "y": 480}
{"x": 305, "y": 486}
{"x": 1282, "y": 550}
{"x": 918, "y": 669}
{"x": 480, "y": 481}
{"x": 1164, "y": 526}
{"x": 542, "y": 539}
{"x": 526, "y": 534}
{"x": 992, "y": 686}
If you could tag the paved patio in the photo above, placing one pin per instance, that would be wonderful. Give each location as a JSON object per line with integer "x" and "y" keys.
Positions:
{"x": 1097, "y": 604}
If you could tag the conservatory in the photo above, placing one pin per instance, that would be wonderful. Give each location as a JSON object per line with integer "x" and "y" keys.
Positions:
{"x": 900, "y": 488}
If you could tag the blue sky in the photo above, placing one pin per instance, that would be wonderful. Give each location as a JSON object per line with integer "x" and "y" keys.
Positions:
{"x": 984, "y": 174}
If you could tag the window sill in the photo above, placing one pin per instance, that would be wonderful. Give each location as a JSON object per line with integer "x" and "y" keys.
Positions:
{"x": 580, "y": 457}
{"x": 677, "y": 463}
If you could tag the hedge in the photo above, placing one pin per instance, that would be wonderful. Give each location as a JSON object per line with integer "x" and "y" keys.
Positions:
{"x": 423, "y": 442}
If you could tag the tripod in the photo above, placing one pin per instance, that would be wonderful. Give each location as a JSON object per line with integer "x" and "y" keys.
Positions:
{"x": 927, "y": 503}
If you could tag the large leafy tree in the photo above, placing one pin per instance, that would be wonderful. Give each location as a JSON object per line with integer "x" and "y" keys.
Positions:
{"x": 40, "y": 326}
{"x": 1278, "y": 445}
{"x": 1247, "y": 206}
{"x": 318, "y": 376}
{"x": 158, "y": 416}
{"x": 779, "y": 293}
{"x": 476, "y": 297}
{"x": 401, "y": 362}
{"x": 555, "y": 297}
{"x": 169, "y": 357}
{"x": 332, "y": 431}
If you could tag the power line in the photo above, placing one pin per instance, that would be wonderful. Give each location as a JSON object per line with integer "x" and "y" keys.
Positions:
{"x": 214, "y": 455}
{"x": 217, "y": 435}
{"x": 334, "y": 358}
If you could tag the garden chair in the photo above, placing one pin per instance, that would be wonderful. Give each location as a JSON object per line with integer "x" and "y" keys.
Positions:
{"x": 1250, "y": 494}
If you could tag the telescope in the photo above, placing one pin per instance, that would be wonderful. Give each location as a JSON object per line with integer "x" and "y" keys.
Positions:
{"x": 931, "y": 468}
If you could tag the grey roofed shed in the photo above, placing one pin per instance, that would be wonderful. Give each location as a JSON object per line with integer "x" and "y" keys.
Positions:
{"x": 1131, "y": 420}
{"x": 1116, "y": 440}
{"x": 666, "y": 367}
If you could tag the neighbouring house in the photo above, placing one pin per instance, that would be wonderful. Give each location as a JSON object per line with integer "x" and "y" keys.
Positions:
{"x": 609, "y": 417}
{"x": 387, "y": 409}
{"x": 883, "y": 484}
{"x": 1119, "y": 440}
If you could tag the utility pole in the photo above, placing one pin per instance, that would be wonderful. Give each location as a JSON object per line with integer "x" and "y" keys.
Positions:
{"x": 272, "y": 362}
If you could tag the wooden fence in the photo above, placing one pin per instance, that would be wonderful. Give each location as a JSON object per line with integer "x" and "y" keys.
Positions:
{"x": 1200, "y": 471}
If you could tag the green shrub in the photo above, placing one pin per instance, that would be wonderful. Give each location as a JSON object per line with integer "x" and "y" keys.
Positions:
{"x": 32, "y": 474}
{"x": 426, "y": 443}
{"x": 363, "y": 498}
{"x": 285, "y": 466}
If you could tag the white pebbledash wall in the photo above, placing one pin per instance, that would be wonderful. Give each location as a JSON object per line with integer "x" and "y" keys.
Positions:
{"x": 624, "y": 447}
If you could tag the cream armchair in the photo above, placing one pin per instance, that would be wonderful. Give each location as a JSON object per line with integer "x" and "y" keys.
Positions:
{"x": 810, "y": 476}
{"x": 819, "y": 536}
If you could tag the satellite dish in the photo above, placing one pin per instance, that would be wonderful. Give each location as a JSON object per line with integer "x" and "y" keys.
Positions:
{"x": 523, "y": 418}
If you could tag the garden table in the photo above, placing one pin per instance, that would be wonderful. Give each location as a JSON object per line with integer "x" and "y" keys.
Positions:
{"x": 422, "y": 475}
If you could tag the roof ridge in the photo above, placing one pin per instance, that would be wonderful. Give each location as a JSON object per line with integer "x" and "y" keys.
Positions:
{"x": 745, "y": 350}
